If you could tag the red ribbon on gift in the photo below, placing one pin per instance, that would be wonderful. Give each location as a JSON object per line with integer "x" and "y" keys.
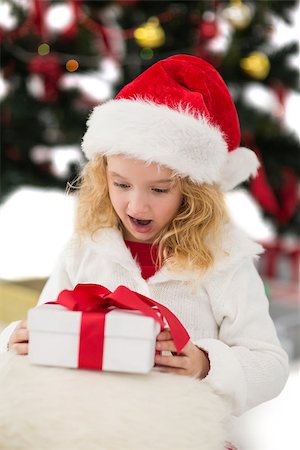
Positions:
{"x": 95, "y": 301}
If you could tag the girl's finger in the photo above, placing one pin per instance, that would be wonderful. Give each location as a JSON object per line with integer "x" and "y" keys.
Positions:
{"x": 22, "y": 324}
{"x": 180, "y": 362}
{"x": 20, "y": 349}
{"x": 165, "y": 335}
{"x": 187, "y": 349}
{"x": 166, "y": 346}
{"x": 21, "y": 335}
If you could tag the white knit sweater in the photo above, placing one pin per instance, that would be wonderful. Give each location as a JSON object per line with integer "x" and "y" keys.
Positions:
{"x": 225, "y": 313}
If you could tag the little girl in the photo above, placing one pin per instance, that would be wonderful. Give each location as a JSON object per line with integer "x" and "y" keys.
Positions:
{"x": 151, "y": 215}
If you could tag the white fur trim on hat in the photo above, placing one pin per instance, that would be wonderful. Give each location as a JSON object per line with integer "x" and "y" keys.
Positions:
{"x": 177, "y": 138}
{"x": 239, "y": 166}
{"x": 155, "y": 133}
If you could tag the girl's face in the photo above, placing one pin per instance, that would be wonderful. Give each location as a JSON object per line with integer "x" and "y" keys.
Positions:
{"x": 145, "y": 197}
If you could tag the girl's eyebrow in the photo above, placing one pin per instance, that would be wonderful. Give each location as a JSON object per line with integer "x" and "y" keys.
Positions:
{"x": 165, "y": 180}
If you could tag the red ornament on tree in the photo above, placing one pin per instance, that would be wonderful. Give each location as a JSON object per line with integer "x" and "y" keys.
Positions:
{"x": 259, "y": 185}
{"x": 288, "y": 196}
{"x": 281, "y": 203}
{"x": 49, "y": 68}
{"x": 208, "y": 27}
{"x": 281, "y": 93}
{"x": 262, "y": 192}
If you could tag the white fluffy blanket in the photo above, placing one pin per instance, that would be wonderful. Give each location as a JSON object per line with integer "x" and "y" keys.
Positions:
{"x": 46, "y": 408}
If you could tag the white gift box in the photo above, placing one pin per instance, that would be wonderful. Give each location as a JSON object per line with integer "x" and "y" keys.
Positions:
{"x": 129, "y": 339}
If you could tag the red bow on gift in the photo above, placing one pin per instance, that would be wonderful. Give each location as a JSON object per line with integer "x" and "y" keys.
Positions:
{"x": 95, "y": 301}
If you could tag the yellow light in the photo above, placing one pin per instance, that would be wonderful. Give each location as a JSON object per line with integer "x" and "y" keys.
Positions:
{"x": 72, "y": 65}
{"x": 150, "y": 34}
{"x": 43, "y": 49}
{"x": 238, "y": 14}
{"x": 256, "y": 65}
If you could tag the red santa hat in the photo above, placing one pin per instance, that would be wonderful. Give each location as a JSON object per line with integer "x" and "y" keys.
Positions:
{"x": 178, "y": 113}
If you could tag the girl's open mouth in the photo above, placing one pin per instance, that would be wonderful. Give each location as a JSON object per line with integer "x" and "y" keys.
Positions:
{"x": 141, "y": 225}
{"x": 141, "y": 222}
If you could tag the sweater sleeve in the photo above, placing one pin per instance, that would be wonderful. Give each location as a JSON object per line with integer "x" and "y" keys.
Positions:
{"x": 248, "y": 365}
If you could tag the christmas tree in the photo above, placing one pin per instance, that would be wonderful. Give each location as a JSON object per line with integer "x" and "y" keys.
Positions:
{"x": 60, "y": 58}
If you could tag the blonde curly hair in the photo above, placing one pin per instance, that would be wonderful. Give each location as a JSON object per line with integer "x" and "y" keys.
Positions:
{"x": 187, "y": 242}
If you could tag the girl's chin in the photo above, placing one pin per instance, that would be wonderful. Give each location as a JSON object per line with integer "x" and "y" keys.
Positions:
{"x": 140, "y": 241}
{"x": 131, "y": 234}
{"x": 138, "y": 237}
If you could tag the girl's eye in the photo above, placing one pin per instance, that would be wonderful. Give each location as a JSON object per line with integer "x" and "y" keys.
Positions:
{"x": 160, "y": 191}
{"x": 121, "y": 185}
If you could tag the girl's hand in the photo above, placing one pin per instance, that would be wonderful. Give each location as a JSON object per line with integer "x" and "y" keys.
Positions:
{"x": 190, "y": 361}
{"x": 18, "y": 342}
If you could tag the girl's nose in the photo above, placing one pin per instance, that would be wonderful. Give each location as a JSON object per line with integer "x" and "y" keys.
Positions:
{"x": 138, "y": 205}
